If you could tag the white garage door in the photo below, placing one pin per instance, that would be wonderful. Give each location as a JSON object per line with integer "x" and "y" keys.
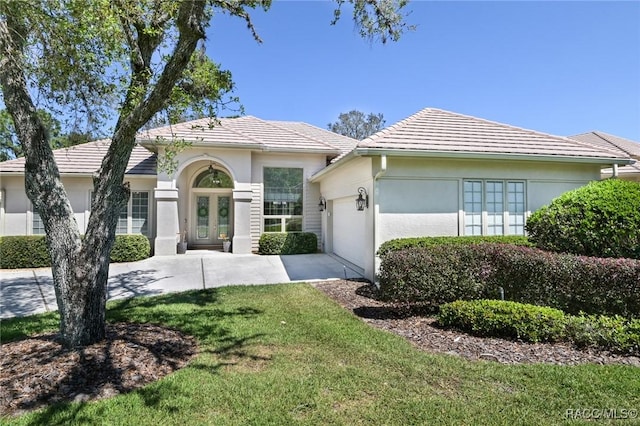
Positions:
{"x": 348, "y": 231}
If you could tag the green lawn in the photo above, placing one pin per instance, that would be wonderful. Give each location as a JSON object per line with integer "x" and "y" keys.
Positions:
{"x": 286, "y": 354}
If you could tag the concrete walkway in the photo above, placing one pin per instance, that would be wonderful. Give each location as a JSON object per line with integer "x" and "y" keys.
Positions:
{"x": 29, "y": 291}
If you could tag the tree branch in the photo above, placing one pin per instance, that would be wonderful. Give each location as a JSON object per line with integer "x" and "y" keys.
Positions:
{"x": 236, "y": 8}
{"x": 190, "y": 27}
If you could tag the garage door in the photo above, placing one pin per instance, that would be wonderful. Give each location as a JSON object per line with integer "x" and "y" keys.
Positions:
{"x": 348, "y": 231}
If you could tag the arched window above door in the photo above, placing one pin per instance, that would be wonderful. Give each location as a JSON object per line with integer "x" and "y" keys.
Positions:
{"x": 213, "y": 178}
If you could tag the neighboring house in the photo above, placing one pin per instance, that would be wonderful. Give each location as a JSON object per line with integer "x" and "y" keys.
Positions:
{"x": 435, "y": 173}
{"x": 623, "y": 146}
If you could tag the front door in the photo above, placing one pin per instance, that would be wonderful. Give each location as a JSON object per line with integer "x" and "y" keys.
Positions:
{"x": 212, "y": 220}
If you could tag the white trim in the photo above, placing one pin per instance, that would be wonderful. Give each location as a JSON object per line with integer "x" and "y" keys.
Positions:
{"x": 203, "y": 157}
{"x": 283, "y": 218}
{"x": 491, "y": 156}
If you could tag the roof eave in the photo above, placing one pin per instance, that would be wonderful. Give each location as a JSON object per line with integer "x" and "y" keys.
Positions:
{"x": 318, "y": 176}
{"x": 301, "y": 150}
{"x": 81, "y": 174}
{"x": 152, "y": 145}
{"x": 492, "y": 156}
{"x": 253, "y": 147}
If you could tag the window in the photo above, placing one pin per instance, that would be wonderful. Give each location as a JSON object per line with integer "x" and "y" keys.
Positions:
{"x": 495, "y": 208}
{"x": 213, "y": 178}
{"x": 282, "y": 199}
{"x": 488, "y": 207}
{"x": 137, "y": 209}
{"x": 140, "y": 213}
{"x": 123, "y": 221}
{"x": 37, "y": 226}
{"x": 515, "y": 197}
{"x": 473, "y": 208}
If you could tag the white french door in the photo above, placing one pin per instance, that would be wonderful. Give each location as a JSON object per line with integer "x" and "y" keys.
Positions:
{"x": 212, "y": 219}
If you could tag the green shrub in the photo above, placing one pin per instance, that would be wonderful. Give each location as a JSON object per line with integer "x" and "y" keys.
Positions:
{"x": 404, "y": 243}
{"x": 288, "y": 243}
{"x": 565, "y": 281}
{"x": 497, "y": 318}
{"x": 31, "y": 251}
{"x": 24, "y": 252}
{"x": 601, "y": 219}
{"x": 433, "y": 276}
{"x": 445, "y": 273}
{"x": 617, "y": 334}
{"x": 130, "y": 248}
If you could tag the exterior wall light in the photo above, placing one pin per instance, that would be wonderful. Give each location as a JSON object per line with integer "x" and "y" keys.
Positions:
{"x": 322, "y": 205}
{"x": 363, "y": 199}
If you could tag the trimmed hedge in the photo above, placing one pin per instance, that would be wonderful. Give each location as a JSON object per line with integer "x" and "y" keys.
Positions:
{"x": 601, "y": 219}
{"x": 572, "y": 283}
{"x": 288, "y": 243}
{"x": 568, "y": 282}
{"x": 403, "y": 243}
{"x": 24, "y": 252}
{"x": 130, "y": 248}
{"x": 31, "y": 251}
{"x": 496, "y": 318}
{"x": 432, "y": 276}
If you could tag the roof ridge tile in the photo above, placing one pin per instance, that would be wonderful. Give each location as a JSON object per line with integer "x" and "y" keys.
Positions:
{"x": 370, "y": 139}
{"x": 607, "y": 137}
{"x": 273, "y": 124}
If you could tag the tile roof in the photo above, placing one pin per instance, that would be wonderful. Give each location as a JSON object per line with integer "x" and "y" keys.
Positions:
{"x": 245, "y": 132}
{"x": 435, "y": 130}
{"x": 86, "y": 158}
{"x": 254, "y": 133}
{"x": 343, "y": 143}
{"x": 611, "y": 142}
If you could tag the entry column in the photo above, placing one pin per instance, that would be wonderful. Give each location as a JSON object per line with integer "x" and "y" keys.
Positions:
{"x": 242, "y": 221}
{"x": 167, "y": 227}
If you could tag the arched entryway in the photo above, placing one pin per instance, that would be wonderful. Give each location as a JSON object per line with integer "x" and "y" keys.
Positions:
{"x": 210, "y": 211}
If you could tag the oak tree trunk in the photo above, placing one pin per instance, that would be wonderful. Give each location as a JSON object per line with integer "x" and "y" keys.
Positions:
{"x": 80, "y": 266}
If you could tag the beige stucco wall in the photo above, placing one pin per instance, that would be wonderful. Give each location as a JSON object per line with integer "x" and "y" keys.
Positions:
{"x": 16, "y": 216}
{"x": 346, "y": 231}
{"x": 423, "y": 197}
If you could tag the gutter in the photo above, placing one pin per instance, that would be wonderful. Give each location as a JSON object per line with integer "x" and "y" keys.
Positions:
{"x": 491, "y": 156}
{"x": 82, "y": 175}
{"x": 361, "y": 152}
{"x": 152, "y": 146}
{"x": 376, "y": 214}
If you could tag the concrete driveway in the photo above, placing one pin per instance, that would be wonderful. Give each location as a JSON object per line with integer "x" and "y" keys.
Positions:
{"x": 29, "y": 291}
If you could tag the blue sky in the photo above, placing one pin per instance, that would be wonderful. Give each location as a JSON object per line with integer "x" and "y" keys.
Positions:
{"x": 557, "y": 67}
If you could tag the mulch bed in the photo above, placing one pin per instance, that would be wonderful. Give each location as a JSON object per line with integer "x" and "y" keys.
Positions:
{"x": 421, "y": 330}
{"x": 38, "y": 371}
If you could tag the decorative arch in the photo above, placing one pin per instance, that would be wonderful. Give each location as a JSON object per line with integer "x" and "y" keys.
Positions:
{"x": 219, "y": 164}
{"x": 212, "y": 178}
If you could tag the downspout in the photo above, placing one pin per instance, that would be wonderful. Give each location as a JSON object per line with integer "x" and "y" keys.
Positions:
{"x": 376, "y": 212}
{"x": 615, "y": 170}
